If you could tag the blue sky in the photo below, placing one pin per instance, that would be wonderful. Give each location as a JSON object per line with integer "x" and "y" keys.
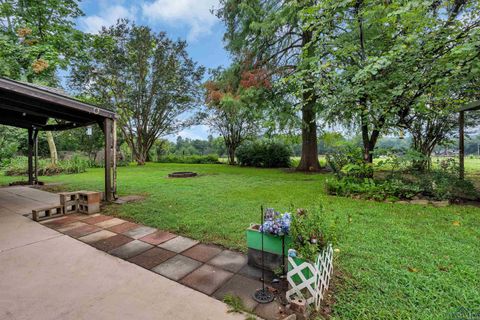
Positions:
{"x": 189, "y": 20}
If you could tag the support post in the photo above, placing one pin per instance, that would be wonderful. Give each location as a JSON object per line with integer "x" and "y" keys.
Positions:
{"x": 35, "y": 143}
{"x": 107, "y": 124}
{"x": 461, "y": 143}
{"x": 30, "y": 156}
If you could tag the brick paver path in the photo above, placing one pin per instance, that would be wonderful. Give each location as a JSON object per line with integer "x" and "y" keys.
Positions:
{"x": 209, "y": 269}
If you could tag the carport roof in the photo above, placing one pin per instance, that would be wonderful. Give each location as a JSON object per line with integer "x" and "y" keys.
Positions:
{"x": 31, "y": 106}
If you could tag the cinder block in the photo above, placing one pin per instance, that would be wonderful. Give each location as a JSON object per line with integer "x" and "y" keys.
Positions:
{"x": 70, "y": 207}
{"x": 89, "y": 197}
{"x": 88, "y": 208}
{"x": 47, "y": 213}
{"x": 68, "y": 197}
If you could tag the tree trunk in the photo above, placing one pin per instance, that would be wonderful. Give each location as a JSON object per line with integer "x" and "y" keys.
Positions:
{"x": 231, "y": 155}
{"x": 309, "y": 160}
{"x": 52, "y": 147}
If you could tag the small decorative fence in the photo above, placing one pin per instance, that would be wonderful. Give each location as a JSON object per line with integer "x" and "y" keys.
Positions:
{"x": 310, "y": 281}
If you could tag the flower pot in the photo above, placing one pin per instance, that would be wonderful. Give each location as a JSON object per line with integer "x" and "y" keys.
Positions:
{"x": 271, "y": 243}
{"x": 272, "y": 248}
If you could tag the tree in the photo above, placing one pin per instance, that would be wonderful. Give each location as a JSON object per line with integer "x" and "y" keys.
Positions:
{"x": 147, "y": 78}
{"x": 231, "y": 106}
{"x": 36, "y": 39}
{"x": 380, "y": 60}
{"x": 272, "y": 34}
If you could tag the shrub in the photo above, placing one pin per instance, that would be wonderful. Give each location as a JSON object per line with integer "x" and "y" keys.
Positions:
{"x": 194, "y": 159}
{"x": 265, "y": 154}
{"x": 347, "y": 160}
{"x": 19, "y": 166}
{"x": 311, "y": 232}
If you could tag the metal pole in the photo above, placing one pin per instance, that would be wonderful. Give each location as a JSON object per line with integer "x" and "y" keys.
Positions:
{"x": 114, "y": 154}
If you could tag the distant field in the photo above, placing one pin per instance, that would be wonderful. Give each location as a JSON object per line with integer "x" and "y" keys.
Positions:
{"x": 396, "y": 261}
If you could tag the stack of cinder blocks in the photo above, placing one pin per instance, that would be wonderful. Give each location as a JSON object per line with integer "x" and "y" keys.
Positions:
{"x": 87, "y": 202}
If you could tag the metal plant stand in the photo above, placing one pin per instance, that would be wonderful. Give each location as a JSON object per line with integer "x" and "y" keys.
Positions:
{"x": 263, "y": 295}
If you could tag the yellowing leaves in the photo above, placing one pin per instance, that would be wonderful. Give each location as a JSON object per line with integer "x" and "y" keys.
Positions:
{"x": 456, "y": 223}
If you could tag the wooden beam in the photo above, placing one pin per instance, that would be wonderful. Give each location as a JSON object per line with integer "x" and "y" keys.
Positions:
{"x": 108, "y": 158}
{"x": 34, "y": 92}
{"x": 461, "y": 143}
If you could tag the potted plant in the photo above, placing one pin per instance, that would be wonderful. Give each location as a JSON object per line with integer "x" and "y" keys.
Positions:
{"x": 276, "y": 240}
{"x": 311, "y": 235}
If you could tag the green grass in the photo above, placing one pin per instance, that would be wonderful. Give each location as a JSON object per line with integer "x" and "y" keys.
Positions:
{"x": 396, "y": 261}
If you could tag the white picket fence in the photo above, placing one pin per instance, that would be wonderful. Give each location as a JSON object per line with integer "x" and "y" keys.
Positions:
{"x": 312, "y": 289}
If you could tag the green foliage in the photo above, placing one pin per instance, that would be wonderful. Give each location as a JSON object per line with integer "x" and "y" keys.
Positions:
{"x": 347, "y": 160}
{"x": 18, "y": 166}
{"x": 440, "y": 183}
{"x": 378, "y": 241}
{"x": 235, "y": 303}
{"x": 149, "y": 79}
{"x": 311, "y": 232}
{"x": 192, "y": 159}
{"x": 37, "y": 38}
{"x": 265, "y": 154}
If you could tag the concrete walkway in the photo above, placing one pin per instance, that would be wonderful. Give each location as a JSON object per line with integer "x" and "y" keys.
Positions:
{"x": 47, "y": 275}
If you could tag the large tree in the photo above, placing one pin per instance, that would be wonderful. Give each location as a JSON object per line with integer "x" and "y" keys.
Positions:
{"x": 148, "y": 79}
{"x": 272, "y": 34}
{"x": 37, "y": 38}
{"x": 380, "y": 60}
{"x": 232, "y": 102}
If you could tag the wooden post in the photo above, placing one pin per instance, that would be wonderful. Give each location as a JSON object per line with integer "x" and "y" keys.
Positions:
{"x": 30, "y": 156}
{"x": 114, "y": 155}
{"x": 461, "y": 143}
{"x": 107, "y": 125}
{"x": 35, "y": 143}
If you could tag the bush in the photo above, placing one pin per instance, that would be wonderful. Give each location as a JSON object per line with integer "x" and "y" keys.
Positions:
{"x": 194, "y": 159}
{"x": 265, "y": 154}
{"x": 347, "y": 161}
{"x": 19, "y": 166}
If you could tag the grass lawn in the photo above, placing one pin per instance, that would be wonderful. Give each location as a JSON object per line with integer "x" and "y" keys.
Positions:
{"x": 396, "y": 261}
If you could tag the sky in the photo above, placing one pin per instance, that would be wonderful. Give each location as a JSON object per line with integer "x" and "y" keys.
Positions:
{"x": 189, "y": 20}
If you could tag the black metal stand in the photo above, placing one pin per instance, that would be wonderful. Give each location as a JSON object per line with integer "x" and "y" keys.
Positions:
{"x": 263, "y": 295}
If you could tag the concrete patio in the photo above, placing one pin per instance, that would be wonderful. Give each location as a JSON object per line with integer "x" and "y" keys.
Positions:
{"x": 45, "y": 274}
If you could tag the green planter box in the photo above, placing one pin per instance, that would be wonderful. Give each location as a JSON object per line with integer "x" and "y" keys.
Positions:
{"x": 271, "y": 243}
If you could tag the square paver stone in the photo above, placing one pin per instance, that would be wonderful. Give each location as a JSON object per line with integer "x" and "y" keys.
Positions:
{"x": 152, "y": 258}
{"x": 71, "y": 226}
{"x": 139, "y": 232}
{"x": 82, "y": 231}
{"x": 206, "y": 279}
{"x": 97, "y": 236}
{"x": 256, "y": 273}
{"x": 130, "y": 249}
{"x": 178, "y": 244}
{"x": 97, "y": 219}
{"x": 158, "y": 237}
{"x": 242, "y": 287}
{"x": 202, "y": 252}
{"x": 59, "y": 222}
{"x": 124, "y": 227}
{"x": 229, "y": 260}
{"x": 177, "y": 267}
{"x": 112, "y": 242}
{"x": 109, "y": 223}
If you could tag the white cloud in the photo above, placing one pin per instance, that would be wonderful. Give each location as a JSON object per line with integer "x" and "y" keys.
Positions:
{"x": 108, "y": 16}
{"x": 194, "y": 13}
